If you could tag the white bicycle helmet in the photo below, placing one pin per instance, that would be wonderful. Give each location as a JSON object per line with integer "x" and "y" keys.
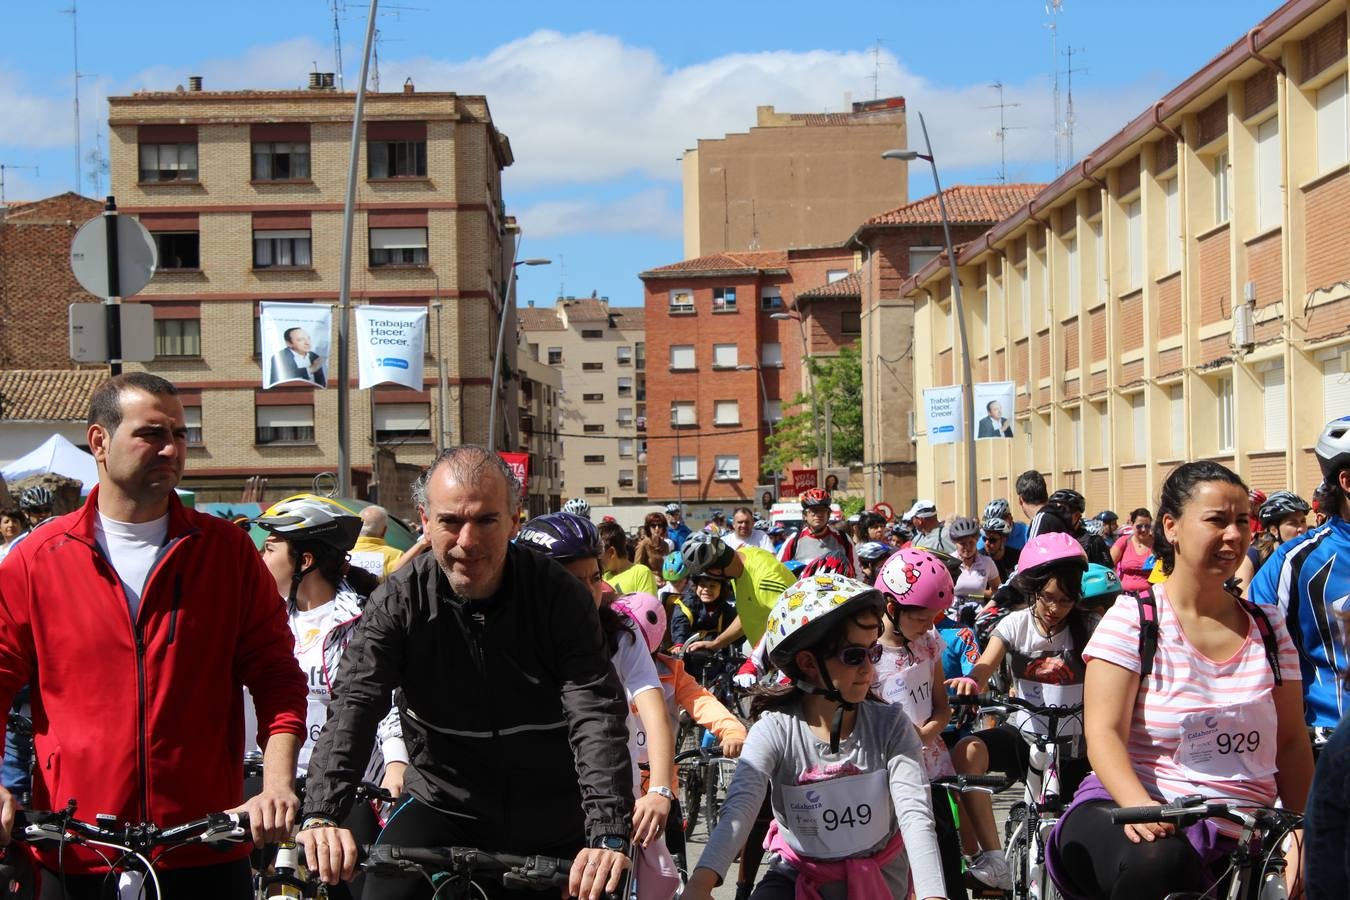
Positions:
{"x": 577, "y": 507}
{"x": 36, "y": 497}
{"x": 310, "y": 520}
{"x": 704, "y": 551}
{"x": 962, "y": 527}
{"x": 1333, "y": 448}
{"x": 998, "y": 509}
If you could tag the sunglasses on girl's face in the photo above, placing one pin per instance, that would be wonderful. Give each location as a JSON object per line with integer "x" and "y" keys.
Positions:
{"x": 854, "y": 656}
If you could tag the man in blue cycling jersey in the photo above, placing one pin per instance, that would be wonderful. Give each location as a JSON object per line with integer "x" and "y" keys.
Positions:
{"x": 1309, "y": 579}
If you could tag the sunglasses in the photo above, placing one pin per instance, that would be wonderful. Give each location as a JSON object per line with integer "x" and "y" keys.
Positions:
{"x": 854, "y": 656}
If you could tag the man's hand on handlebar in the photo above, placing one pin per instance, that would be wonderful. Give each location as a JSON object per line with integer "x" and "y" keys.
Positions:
{"x": 393, "y": 778}
{"x": 271, "y": 814}
{"x": 594, "y": 872}
{"x": 330, "y": 852}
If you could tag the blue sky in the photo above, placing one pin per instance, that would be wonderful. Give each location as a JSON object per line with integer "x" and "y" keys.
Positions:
{"x": 601, "y": 98}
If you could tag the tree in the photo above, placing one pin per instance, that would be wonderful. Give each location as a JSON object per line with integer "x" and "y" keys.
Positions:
{"x": 838, "y": 382}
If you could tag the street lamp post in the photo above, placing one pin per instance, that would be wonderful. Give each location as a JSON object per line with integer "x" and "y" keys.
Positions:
{"x": 764, "y": 393}
{"x": 508, "y": 296}
{"x": 967, "y": 382}
{"x": 810, "y": 384}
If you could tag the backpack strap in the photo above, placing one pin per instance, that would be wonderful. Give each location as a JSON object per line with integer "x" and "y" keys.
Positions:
{"x": 679, "y": 602}
{"x": 1148, "y": 631}
{"x": 1268, "y": 640}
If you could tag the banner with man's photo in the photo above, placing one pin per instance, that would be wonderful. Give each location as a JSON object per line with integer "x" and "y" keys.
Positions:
{"x": 294, "y": 341}
{"x": 993, "y": 409}
{"x": 390, "y": 345}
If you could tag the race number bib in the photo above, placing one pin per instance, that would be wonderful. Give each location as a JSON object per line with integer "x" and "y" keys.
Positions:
{"x": 1230, "y": 743}
{"x": 912, "y": 689}
{"x": 839, "y": 818}
{"x": 1050, "y": 694}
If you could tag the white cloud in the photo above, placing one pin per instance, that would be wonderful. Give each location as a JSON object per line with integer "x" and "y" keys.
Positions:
{"x": 32, "y": 119}
{"x": 648, "y": 212}
{"x": 267, "y": 67}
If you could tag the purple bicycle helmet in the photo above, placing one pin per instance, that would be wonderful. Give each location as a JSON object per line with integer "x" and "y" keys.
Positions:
{"x": 561, "y": 536}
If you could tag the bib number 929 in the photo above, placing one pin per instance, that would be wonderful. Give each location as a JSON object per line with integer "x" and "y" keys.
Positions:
{"x": 847, "y": 818}
{"x": 1238, "y": 742}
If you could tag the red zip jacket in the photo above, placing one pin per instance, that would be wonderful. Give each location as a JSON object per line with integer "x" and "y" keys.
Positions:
{"x": 144, "y": 720}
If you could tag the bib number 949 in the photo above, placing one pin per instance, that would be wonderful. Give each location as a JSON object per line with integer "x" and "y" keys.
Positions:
{"x": 1238, "y": 742}
{"x": 850, "y": 816}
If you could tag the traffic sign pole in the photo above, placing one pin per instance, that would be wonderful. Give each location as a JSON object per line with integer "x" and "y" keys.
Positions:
{"x": 112, "y": 305}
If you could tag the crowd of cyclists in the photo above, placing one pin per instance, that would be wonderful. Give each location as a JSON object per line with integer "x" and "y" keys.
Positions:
{"x": 524, "y": 688}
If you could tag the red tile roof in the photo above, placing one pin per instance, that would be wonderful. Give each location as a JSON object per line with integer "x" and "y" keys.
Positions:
{"x": 847, "y": 287}
{"x": 36, "y": 395}
{"x": 720, "y": 263}
{"x": 586, "y": 310}
{"x": 58, "y": 210}
{"x": 534, "y": 319}
{"x": 967, "y": 204}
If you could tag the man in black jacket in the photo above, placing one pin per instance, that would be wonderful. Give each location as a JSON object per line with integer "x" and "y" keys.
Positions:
{"x": 513, "y": 716}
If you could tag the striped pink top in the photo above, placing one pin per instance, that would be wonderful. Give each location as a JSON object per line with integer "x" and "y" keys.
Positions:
{"x": 1183, "y": 682}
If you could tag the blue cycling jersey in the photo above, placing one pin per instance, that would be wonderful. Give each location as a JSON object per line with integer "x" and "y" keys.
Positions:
{"x": 1308, "y": 578}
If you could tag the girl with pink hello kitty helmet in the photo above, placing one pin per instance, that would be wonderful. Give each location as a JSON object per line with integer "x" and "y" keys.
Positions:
{"x": 914, "y": 577}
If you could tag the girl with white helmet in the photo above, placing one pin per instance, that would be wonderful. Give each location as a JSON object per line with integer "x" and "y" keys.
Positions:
{"x": 979, "y": 576}
{"x": 843, "y": 771}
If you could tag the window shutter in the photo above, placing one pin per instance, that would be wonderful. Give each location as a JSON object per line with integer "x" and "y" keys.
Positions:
{"x": 1335, "y": 389}
{"x": 1273, "y": 407}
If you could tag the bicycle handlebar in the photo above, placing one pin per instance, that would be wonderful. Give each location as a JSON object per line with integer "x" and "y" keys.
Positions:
{"x": 997, "y": 782}
{"x": 62, "y": 826}
{"x": 1193, "y": 808}
{"x": 698, "y": 753}
{"x": 991, "y": 699}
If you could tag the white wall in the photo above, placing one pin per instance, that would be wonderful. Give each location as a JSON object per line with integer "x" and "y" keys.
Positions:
{"x": 18, "y": 438}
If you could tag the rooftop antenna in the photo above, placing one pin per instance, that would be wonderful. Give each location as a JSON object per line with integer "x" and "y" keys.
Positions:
{"x": 98, "y": 163}
{"x": 338, "y": 8}
{"x": 1068, "y": 108}
{"x": 1052, "y": 9}
{"x": 3, "y": 169}
{"x": 562, "y": 279}
{"x": 876, "y": 70}
{"x": 73, "y": 12}
{"x": 1003, "y": 129}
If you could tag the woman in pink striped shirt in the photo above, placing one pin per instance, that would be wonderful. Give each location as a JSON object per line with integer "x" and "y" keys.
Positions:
{"x": 1213, "y": 717}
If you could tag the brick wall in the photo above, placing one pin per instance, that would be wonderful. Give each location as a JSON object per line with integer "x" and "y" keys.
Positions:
{"x": 1132, "y": 372}
{"x": 1328, "y": 319}
{"x": 1097, "y": 334}
{"x": 1169, "y": 361}
{"x": 1132, "y": 321}
{"x": 1327, "y": 207}
{"x": 1214, "y": 348}
{"x": 1265, "y": 269}
{"x": 1070, "y": 331}
{"x": 1266, "y": 471}
{"x": 1043, "y": 354}
{"x": 944, "y": 367}
{"x": 1169, "y": 306}
{"x": 1214, "y": 297}
{"x": 1132, "y": 488}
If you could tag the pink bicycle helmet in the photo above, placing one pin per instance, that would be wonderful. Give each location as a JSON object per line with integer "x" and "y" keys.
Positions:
{"x": 1052, "y": 549}
{"x": 648, "y": 614}
{"x": 915, "y": 577}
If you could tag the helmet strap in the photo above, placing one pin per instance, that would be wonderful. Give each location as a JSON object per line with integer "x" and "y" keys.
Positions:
{"x": 296, "y": 578}
{"x": 829, "y": 692}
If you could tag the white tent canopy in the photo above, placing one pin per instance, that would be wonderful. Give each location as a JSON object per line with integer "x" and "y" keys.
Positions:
{"x": 59, "y": 456}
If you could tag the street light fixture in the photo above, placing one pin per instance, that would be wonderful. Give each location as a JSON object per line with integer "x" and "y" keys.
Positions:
{"x": 810, "y": 383}
{"x": 508, "y": 296}
{"x": 764, "y": 393}
{"x": 967, "y": 382}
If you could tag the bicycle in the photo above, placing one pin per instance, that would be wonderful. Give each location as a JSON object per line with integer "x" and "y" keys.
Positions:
{"x": 1256, "y": 866}
{"x": 947, "y": 821}
{"x": 1027, "y": 830}
{"x": 703, "y": 780}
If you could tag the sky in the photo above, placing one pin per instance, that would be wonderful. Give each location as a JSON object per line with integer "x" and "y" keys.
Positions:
{"x": 600, "y": 99}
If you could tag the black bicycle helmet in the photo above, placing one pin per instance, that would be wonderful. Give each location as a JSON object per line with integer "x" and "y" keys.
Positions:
{"x": 36, "y": 497}
{"x": 703, "y": 551}
{"x": 1069, "y": 499}
{"x": 1281, "y": 504}
{"x": 562, "y": 536}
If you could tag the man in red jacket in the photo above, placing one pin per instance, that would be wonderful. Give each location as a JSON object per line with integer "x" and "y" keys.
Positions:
{"x": 137, "y": 621}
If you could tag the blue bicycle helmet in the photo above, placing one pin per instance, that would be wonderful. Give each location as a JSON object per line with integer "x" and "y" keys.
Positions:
{"x": 873, "y": 551}
{"x": 1101, "y": 585}
{"x": 561, "y": 536}
{"x": 673, "y": 567}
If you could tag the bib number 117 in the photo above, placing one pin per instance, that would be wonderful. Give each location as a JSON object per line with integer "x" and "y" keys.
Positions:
{"x": 850, "y": 816}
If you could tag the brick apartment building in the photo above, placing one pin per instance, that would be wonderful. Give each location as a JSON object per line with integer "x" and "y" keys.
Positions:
{"x": 243, "y": 192}
{"x": 794, "y": 180}
{"x": 894, "y": 244}
{"x": 540, "y": 419}
{"x": 600, "y": 352}
{"x": 1183, "y": 292}
{"x": 709, "y": 327}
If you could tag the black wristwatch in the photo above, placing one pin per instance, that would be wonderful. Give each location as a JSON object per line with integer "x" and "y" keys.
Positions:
{"x": 611, "y": 842}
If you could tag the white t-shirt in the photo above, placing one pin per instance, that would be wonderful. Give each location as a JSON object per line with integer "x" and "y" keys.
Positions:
{"x": 309, "y": 627}
{"x": 1047, "y": 671}
{"x": 757, "y": 538}
{"x": 131, "y": 548}
{"x": 638, "y": 674}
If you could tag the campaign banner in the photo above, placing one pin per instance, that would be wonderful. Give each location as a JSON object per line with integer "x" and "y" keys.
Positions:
{"x": 294, "y": 340}
{"x": 993, "y": 405}
{"x": 942, "y": 407}
{"x": 765, "y": 493}
{"x": 520, "y": 465}
{"x": 390, "y": 345}
{"x": 804, "y": 479}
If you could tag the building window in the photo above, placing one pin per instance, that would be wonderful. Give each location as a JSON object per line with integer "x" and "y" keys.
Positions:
{"x": 284, "y": 425}
{"x": 1172, "y": 224}
{"x": 1138, "y": 429}
{"x": 773, "y": 411}
{"x": 402, "y": 423}
{"x": 1075, "y": 438}
{"x": 625, "y": 448}
{"x": 593, "y": 458}
{"x": 554, "y": 356}
{"x": 593, "y": 491}
{"x": 178, "y": 337}
{"x": 1024, "y": 295}
{"x": 168, "y": 162}
{"x": 1103, "y": 456}
{"x": 833, "y": 275}
{"x": 1073, "y": 297}
{"x": 725, "y": 356}
{"x": 682, "y": 356}
{"x": 624, "y": 355}
{"x": 592, "y": 367}
{"x": 850, "y": 323}
{"x": 592, "y": 333}
{"x": 625, "y": 417}
{"x": 1176, "y": 416}
{"x": 280, "y": 160}
{"x": 1099, "y": 276}
{"x": 398, "y": 247}
{"x": 1333, "y": 122}
{"x": 1268, "y": 182}
{"x": 192, "y": 421}
{"x": 1224, "y": 389}
{"x": 681, "y": 301}
{"x": 771, "y": 299}
{"x": 1219, "y": 172}
{"x": 625, "y": 387}
{"x": 625, "y": 478}
{"x": 1134, "y": 245}
{"x": 178, "y": 249}
{"x": 281, "y": 248}
{"x": 727, "y": 412}
{"x": 724, "y": 299}
{"x": 684, "y": 468}
{"x": 593, "y": 428}
{"x": 397, "y": 159}
{"x": 1275, "y": 408}
{"x": 682, "y": 414}
{"x": 1335, "y": 387}
{"x": 593, "y": 398}
{"x": 728, "y": 468}
{"x": 921, "y": 256}
{"x": 771, "y": 354}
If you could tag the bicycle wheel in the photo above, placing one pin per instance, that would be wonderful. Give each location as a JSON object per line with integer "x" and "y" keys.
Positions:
{"x": 711, "y": 795}
{"x": 949, "y": 843}
{"x": 691, "y": 792}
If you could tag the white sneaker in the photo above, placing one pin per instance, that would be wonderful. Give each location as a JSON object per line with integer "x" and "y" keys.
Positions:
{"x": 991, "y": 868}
